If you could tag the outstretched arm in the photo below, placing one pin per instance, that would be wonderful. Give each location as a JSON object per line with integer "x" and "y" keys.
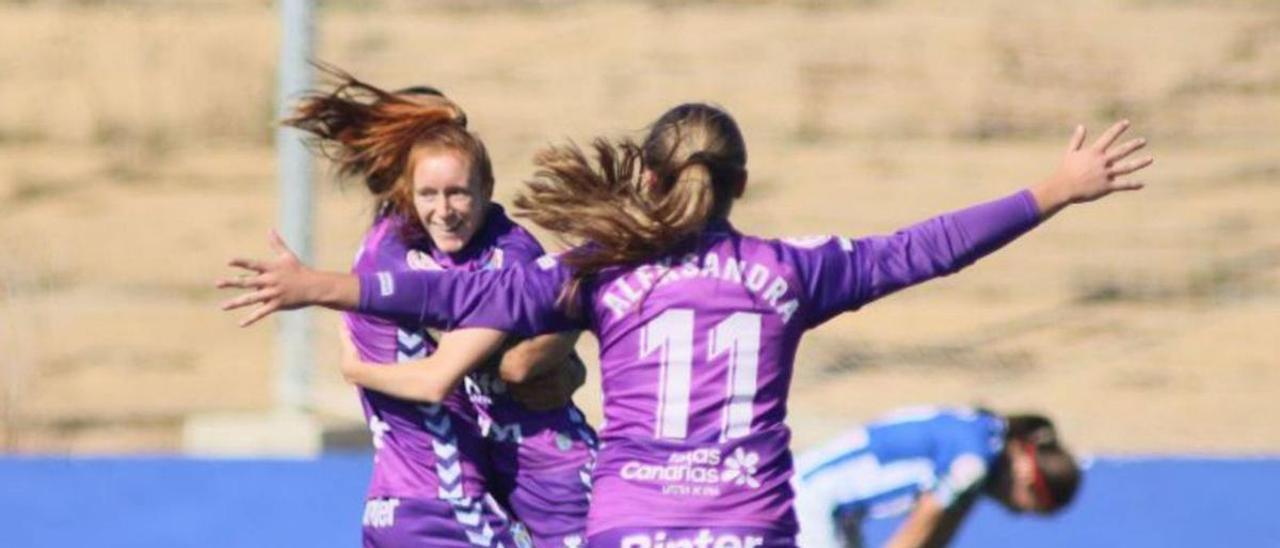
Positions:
{"x": 948, "y": 243}
{"x": 284, "y": 283}
{"x": 429, "y": 379}
{"x": 522, "y": 301}
{"x": 1088, "y": 173}
{"x": 850, "y": 273}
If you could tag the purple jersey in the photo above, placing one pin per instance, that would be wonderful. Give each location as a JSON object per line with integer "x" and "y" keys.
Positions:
{"x": 421, "y": 451}
{"x": 508, "y": 424}
{"x": 696, "y": 350}
{"x": 540, "y": 460}
{"x": 499, "y": 244}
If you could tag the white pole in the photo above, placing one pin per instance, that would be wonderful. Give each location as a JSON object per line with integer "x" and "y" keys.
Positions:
{"x": 294, "y": 347}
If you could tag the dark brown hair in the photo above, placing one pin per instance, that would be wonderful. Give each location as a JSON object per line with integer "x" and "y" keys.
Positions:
{"x": 378, "y": 136}
{"x": 631, "y": 203}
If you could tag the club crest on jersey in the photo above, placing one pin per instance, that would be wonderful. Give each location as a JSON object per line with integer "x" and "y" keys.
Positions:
{"x": 421, "y": 260}
{"x": 495, "y": 260}
{"x": 563, "y": 442}
{"x": 521, "y": 535}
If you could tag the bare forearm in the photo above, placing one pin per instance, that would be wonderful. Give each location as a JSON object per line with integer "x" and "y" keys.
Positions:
{"x": 950, "y": 521}
{"x": 413, "y": 381}
{"x": 334, "y": 290}
{"x": 429, "y": 379}
{"x": 542, "y": 372}
{"x": 1050, "y": 197}
{"x": 913, "y": 533}
{"x": 920, "y": 525}
{"x": 538, "y": 356}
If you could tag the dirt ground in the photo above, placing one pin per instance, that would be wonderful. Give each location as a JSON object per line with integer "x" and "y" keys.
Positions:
{"x": 135, "y": 157}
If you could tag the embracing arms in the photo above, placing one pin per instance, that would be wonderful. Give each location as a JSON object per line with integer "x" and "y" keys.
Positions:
{"x": 428, "y": 379}
{"x": 496, "y": 303}
{"x": 542, "y": 372}
{"x": 522, "y": 300}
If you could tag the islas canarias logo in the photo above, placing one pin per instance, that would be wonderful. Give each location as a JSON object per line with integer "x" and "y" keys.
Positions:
{"x": 700, "y": 472}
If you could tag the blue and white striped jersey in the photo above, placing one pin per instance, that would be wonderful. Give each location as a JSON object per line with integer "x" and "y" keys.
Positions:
{"x": 879, "y": 470}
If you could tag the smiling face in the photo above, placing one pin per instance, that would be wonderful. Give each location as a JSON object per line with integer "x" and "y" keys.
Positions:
{"x": 448, "y": 200}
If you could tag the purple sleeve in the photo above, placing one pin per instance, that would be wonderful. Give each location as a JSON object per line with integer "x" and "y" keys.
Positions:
{"x": 521, "y": 300}
{"x": 842, "y": 275}
{"x": 520, "y": 246}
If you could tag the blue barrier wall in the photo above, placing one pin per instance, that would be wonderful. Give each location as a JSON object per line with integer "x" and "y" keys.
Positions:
{"x": 1141, "y": 503}
{"x": 175, "y": 502}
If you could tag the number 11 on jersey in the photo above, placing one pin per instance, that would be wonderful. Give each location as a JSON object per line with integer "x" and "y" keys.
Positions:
{"x": 736, "y": 339}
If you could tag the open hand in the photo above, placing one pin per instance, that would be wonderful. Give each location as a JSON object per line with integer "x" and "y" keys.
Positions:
{"x": 1091, "y": 172}
{"x": 279, "y": 283}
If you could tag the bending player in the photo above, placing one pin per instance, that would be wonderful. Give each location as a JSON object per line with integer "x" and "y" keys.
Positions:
{"x": 931, "y": 464}
{"x": 433, "y": 186}
{"x": 698, "y": 324}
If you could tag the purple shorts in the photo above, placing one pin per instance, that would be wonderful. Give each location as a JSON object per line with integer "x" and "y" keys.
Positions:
{"x": 691, "y": 537}
{"x": 552, "y": 506}
{"x": 545, "y": 479}
{"x": 463, "y": 523}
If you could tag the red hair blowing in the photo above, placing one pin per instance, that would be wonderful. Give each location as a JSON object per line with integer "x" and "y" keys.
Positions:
{"x": 376, "y": 135}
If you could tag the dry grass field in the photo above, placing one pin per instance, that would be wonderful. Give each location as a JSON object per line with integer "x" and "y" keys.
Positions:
{"x": 135, "y": 157}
